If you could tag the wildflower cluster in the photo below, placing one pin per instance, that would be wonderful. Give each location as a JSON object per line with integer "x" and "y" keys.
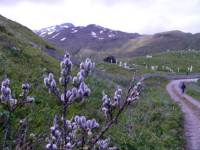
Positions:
{"x": 135, "y": 93}
{"x": 78, "y": 132}
{"x": 6, "y": 93}
{"x": 103, "y": 145}
{"x": 109, "y": 105}
{"x": 10, "y": 104}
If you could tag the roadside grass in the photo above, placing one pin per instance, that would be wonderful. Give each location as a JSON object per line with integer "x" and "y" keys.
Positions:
{"x": 193, "y": 89}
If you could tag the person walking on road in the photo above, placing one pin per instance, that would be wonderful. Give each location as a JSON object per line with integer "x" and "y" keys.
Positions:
{"x": 183, "y": 87}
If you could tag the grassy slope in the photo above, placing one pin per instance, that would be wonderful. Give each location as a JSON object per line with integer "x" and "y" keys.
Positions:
{"x": 153, "y": 120}
{"x": 29, "y": 34}
{"x": 193, "y": 89}
{"x": 173, "y": 60}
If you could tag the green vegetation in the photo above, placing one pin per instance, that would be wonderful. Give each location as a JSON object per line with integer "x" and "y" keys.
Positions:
{"x": 193, "y": 89}
{"x": 155, "y": 122}
{"x": 173, "y": 60}
{"x": 30, "y": 34}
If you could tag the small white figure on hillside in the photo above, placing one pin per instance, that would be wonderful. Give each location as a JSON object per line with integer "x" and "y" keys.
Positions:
{"x": 178, "y": 69}
{"x": 120, "y": 63}
{"x": 149, "y": 56}
{"x": 146, "y": 67}
{"x": 144, "y": 63}
{"x": 156, "y": 67}
{"x": 93, "y": 64}
{"x": 125, "y": 65}
{"x": 189, "y": 49}
{"x": 168, "y": 50}
{"x": 116, "y": 61}
{"x": 153, "y": 68}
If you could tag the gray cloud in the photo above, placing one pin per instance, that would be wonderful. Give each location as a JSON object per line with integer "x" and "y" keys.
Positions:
{"x": 142, "y": 16}
{"x": 9, "y": 3}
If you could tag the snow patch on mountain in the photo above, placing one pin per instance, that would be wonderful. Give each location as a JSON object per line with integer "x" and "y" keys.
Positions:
{"x": 65, "y": 26}
{"x": 74, "y": 31}
{"x": 63, "y": 39}
{"x": 49, "y": 33}
{"x": 42, "y": 33}
{"x": 55, "y": 35}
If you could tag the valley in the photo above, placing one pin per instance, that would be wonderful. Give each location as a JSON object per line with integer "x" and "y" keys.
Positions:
{"x": 153, "y": 122}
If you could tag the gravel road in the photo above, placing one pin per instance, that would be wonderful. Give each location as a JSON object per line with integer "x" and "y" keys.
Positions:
{"x": 191, "y": 108}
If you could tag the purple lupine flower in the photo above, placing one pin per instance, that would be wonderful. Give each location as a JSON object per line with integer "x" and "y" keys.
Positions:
{"x": 61, "y": 80}
{"x": 75, "y": 80}
{"x": 89, "y": 133}
{"x": 46, "y": 81}
{"x": 51, "y": 77}
{"x": 82, "y": 66}
{"x": 74, "y": 92}
{"x": 67, "y": 55}
{"x": 82, "y": 85}
{"x": 3, "y": 90}
{"x": 80, "y": 93}
{"x": 62, "y": 64}
{"x": 53, "y": 84}
{"x": 67, "y": 61}
{"x": 87, "y": 92}
{"x": 69, "y": 78}
{"x": 64, "y": 72}
{"x": 70, "y": 66}
{"x": 81, "y": 79}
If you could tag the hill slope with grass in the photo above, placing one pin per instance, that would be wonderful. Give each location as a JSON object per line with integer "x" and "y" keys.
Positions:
{"x": 154, "y": 122}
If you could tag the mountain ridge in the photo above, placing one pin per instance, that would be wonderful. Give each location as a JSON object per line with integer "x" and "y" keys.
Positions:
{"x": 98, "y": 42}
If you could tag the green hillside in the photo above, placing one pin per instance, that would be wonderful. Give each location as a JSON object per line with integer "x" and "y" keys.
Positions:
{"x": 173, "y": 60}
{"x": 154, "y": 122}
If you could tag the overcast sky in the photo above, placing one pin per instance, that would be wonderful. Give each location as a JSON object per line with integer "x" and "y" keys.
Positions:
{"x": 141, "y": 16}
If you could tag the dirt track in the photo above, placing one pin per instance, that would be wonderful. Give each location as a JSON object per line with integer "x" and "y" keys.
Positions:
{"x": 191, "y": 108}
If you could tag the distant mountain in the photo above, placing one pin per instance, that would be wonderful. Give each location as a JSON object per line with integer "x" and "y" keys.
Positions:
{"x": 49, "y": 30}
{"x": 98, "y": 42}
{"x": 87, "y": 41}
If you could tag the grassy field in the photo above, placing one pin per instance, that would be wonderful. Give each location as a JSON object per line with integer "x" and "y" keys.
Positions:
{"x": 193, "y": 89}
{"x": 172, "y": 60}
{"x": 154, "y": 122}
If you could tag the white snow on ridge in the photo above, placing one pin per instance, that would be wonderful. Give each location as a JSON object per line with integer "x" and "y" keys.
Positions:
{"x": 74, "y": 31}
{"x": 55, "y": 35}
{"x": 42, "y": 33}
{"x": 101, "y": 38}
{"x": 72, "y": 28}
{"x": 111, "y": 35}
{"x": 101, "y": 32}
{"x": 51, "y": 32}
{"x": 63, "y": 39}
{"x": 93, "y": 34}
{"x": 65, "y": 26}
